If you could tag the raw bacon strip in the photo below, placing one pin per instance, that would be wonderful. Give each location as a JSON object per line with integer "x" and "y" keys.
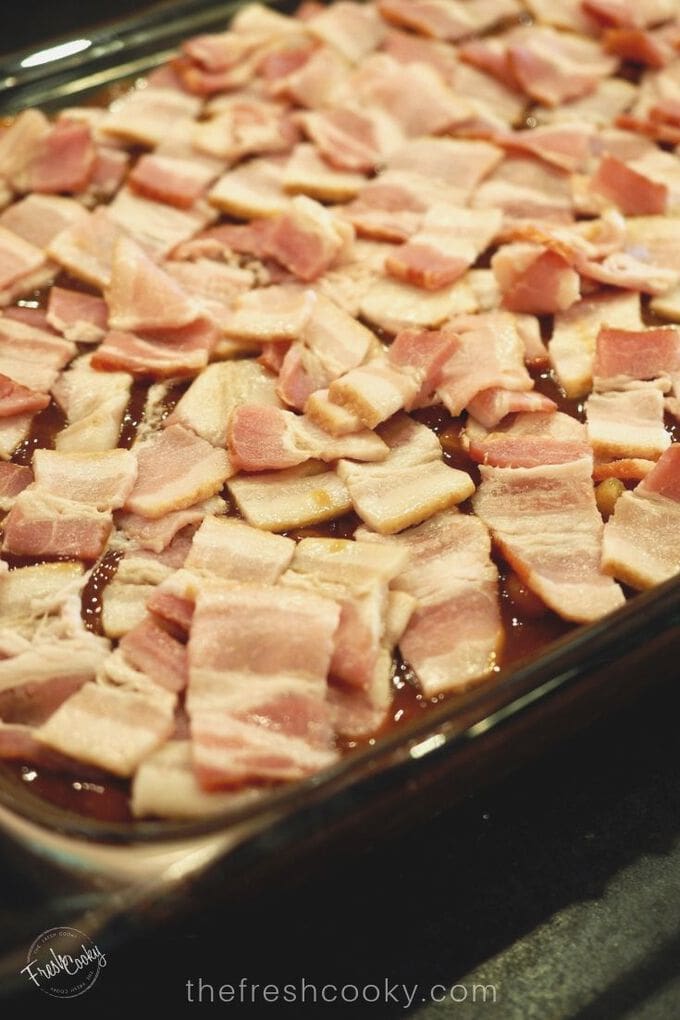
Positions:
{"x": 641, "y": 539}
{"x": 611, "y": 98}
{"x": 489, "y": 353}
{"x": 296, "y": 498}
{"x": 623, "y": 357}
{"x": 264, "y": 438}
{"x": 30, "y": 356}
{"x": 410, "y": 485}
{"x": 449, "y": 241}
{"x": 565, "y": 145}
{"x": 111, "y": 727}
{"x": 207, "y": 406}
{"x": 17, "y": 399}
{"x": 237, "y": 552}
{"x": 165, "y": 355}
{"x": 152, "y": 651}
{"x": 455, "y": 634}
{"x": 546, "y": 524}
{"x": 447, "y": 19}
{"x": 100, "y": 480}
{"x": 38, "y": 219}
{"x": 627, "y": 424}
{"x": 529, "y": 440}
{"x": 179, "y": 182}
{"x": 29, "y": 594}
{"x": 320, "y": 81}
{"x": 553, "y": 67}
{"x": 40, "y": 524}
{"x": 22, "y": 267}
{"x": 491, "y": 406}
{"x": 63, "y": 161}
{"x": 460, "y": 163}
{"x": 79, "y": 317}
{"x": 535, "y": 279}
{"x": 258, "y": 711}
{"x": 572, "y": 347}
{"x": 175, "y": 470}
{"x": 94, "y": 404}
{"x": 157, "y": 535}
{"x": 346, "y": 562}
{"x": 141, "y": 296}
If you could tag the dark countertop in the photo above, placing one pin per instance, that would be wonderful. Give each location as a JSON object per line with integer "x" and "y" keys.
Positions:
{"x": 560, "y": 886}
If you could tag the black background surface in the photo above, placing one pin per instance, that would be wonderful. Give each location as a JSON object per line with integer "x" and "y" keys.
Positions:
{"x": 560, "y": 885}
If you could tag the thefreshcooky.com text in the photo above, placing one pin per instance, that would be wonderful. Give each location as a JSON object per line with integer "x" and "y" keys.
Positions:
{"x": 303, "y": 992}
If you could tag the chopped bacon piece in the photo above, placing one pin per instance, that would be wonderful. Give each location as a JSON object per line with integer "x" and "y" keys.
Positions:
{"x": 641, "y": 544}
{"x": 308, "y": 239}
{"x": 14, "y": 478}
{"x": 354, "y": 29}
{"x": 18, "y": 399}
{"x": 535, "y": 279}
{"x": 455, "y": 634}
{"x": 22, "y": 266}
{"x": 253, "y": 189}
{"x": 207, "y": 406}
{"x": 31, "y": 356}
{"x": 147, "y": 116}
{"x": 94, "y": 404}
{"x": 490, "y": 406}
{"x": 545, "y": 522}
{"x": 110, "y": 726}
{"x": 80, "y": 317}
{"x": 237, "y": 552}
{"x": 638, "y": 45}
{"x": 149, "y": 648}
{"x": 167, "y": 355}
{"x": 40, "y": 524}
{"x": 623, "y": 356}
{"x": 256, "y": 692}
{"x": 157, "y": 535}
{"x": 102, "y": 480}
{"x": 351, "y": 139}
{"x": 307, "y": 173}
{"x": 565, "y": 145}
{"x": 553, "y": 67}
{"x": 141, "y": 296}
{"x": 632, "y": 192}
{"x": 489, "y": 354}
{"x": 175, "y": 470}
{"x": 157, "y": 227}
{"x": 271, "y": 313}
{"x": 628, "y": 424}
{"x": 179, "y": 182}
{"x": 20, "y": 142}
{"x": 296, "y": 498}
{"x": 449, "y": 241}
{"x": 410, "y": 485}
{"x": 63, "y": 161}
{"x": 527, "y": 189}
{"x": 38, "y": 219}
{"x": 528, "y": 440}
{"x": 449, "y": 20}
{"x": 572, "y": 347}
{"x": 86, "y": 248}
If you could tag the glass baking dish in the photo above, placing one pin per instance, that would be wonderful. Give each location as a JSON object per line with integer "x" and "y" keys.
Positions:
{"x": 134, "y": 873}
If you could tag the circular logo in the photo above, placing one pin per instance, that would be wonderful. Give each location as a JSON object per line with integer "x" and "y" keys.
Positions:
{"x": 63, "y": 962}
